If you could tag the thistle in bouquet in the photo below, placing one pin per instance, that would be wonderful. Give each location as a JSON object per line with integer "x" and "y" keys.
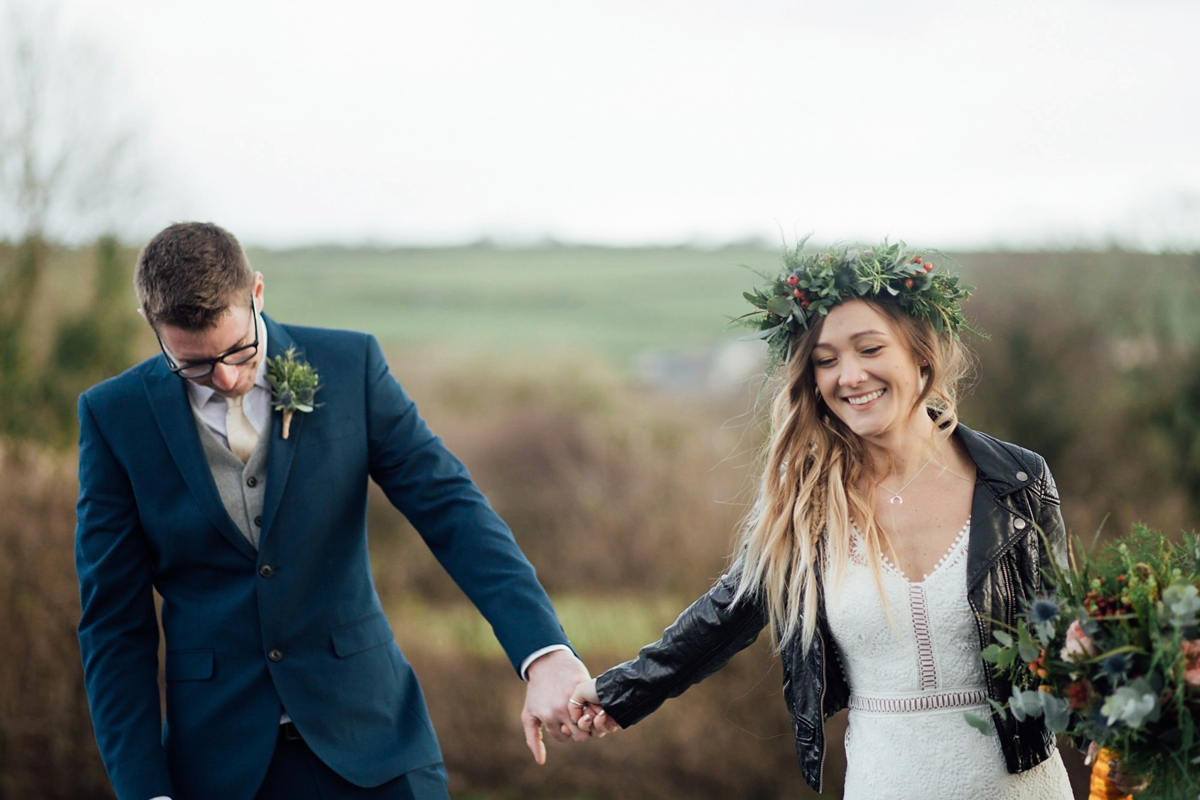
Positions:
{"x": 1113, "y": 657}
{"x": 294, "y": 384}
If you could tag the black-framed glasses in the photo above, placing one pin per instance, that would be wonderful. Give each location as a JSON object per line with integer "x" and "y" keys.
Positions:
{"x": 201, "y": 369}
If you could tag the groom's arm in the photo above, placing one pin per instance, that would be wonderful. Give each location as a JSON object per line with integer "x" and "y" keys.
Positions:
{"x": 433, "y": 489}
{"x": 118, "y": 629}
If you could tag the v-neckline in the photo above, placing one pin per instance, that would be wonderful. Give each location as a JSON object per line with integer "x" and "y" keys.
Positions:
{"x": 959, "y": 542}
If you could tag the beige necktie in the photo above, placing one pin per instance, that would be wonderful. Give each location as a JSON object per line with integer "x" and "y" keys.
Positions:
{"x": 238, "y": 430}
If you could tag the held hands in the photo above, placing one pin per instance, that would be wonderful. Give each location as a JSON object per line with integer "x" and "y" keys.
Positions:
{"x": 588, "y": 714}
{"x": 551, "y": 679}
{"x": 562, "y": 698}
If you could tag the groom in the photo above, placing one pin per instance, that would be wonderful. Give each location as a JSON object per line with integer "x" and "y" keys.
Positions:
{"x": 282, "y": 676}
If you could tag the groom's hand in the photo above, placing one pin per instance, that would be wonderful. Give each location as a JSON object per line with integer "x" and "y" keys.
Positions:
{"x": 552, "y": 679}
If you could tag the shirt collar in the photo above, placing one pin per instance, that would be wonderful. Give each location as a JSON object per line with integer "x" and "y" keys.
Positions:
{"x": 202, "y": 394}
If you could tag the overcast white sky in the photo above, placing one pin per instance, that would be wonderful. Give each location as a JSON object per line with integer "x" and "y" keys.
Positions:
{"x": 1018, "y": 122}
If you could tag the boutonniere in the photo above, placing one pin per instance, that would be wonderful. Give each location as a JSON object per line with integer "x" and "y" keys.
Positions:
{"x": 293, "y": 386}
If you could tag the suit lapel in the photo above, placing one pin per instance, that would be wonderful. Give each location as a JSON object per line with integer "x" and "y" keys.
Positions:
{"x": 282, "y": 451}
{"x": 177, "y": 424}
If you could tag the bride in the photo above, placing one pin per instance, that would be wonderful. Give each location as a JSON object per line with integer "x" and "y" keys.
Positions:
{"x": 888, "y": 542}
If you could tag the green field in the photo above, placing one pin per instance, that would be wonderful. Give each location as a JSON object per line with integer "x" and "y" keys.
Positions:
{"x": 611, "y": 301}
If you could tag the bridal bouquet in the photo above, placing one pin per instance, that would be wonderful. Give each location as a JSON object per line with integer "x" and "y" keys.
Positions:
{"x": 1114, "y": 658}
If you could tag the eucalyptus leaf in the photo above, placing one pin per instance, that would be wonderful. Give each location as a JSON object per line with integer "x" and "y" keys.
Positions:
{"x": 1057, "y": 712}
{"x": 781, "y": 306}
{"x": 1025, "y": 703}
{"x": 999, "y": 708}
{"x": 991, "y": 653}
{"x": 1003, "y": 637}
{"x": 1028, "y": 650}
{"x": 978, "y": 723}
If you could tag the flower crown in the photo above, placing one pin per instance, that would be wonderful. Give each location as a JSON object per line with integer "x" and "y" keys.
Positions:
{"x": 815, "y": 281}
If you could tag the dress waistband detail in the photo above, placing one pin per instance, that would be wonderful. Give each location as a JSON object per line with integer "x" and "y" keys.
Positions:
{"x": 923, "y": 702}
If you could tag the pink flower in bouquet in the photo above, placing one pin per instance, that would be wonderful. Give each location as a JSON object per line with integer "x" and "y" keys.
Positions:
{"x": 1079, "y": 644}
{"x": 1191, "y": 670}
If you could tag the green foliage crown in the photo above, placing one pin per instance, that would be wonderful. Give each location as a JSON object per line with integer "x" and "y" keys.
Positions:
{"x": 815, "y": 281}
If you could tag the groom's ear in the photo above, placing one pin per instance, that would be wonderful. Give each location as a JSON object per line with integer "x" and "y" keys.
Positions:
{"x": 257, "y": 290}
{"x": 142, "y": 314}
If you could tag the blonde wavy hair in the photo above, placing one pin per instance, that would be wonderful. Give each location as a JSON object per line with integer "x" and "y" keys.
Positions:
{"x": 817, "y": 478}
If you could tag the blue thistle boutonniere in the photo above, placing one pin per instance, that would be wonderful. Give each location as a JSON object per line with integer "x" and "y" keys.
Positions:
{"x": 294, "y": 384}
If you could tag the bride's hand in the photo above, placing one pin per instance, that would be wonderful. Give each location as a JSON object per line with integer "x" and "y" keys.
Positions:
{"x": 588, "y": 714}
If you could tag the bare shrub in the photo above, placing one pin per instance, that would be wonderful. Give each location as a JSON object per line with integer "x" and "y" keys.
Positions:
{"x": 606, "y": 488}
{"x": 728, "y": 737}
{"x": 47, "y": 749}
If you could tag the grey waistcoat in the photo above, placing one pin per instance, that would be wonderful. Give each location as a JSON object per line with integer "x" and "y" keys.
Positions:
{"x": 243, "y": 501}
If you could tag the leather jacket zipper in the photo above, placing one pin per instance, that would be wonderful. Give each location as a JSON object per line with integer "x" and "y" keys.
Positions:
{"x": 821, "y": 709}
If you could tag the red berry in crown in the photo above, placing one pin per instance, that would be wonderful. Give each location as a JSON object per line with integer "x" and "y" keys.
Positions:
{"x": 793, "y": 280}
{"x": 908, "y": 282}
{"x": 928, "y": 267}
{"x": 797, "y": 293}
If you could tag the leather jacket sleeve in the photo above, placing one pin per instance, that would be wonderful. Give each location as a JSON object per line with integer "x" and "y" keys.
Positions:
{"x": 1050, "y": 519}
{"x": 701, "y": 641}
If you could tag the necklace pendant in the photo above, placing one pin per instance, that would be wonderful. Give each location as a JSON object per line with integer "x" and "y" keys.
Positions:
{"x": 896, "y": 500}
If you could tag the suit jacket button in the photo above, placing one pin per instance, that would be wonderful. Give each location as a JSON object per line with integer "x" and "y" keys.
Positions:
{"x": 252, "y": 481}
{"x": 275, "y": 654}
{"x": 258, "y": 521}
{"x": 266, "y": 570}
{"x": 1019, "y": 524}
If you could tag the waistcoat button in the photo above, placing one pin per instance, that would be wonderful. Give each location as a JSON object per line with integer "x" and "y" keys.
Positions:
{"x": 275, "y": 654}
{"x": 1019, "y": 524}
{"x": 258, "y": 521}
{"x": 252, "y": 481}
{"x": 1021, "y": 476}
{"x": 266, "y": 570}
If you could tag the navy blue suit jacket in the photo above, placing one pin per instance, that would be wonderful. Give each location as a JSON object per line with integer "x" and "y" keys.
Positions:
{"x": 295, "y": 625}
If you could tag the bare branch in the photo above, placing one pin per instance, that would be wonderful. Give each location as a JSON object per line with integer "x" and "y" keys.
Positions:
{"x": 68, "y": 166}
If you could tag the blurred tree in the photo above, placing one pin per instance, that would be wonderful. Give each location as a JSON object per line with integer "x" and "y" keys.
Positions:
{"x": 1177, "y": 416}
{"x": 90, "y": 346}
{"x": 66, "y": 174}
{"x": 18, "y": 280}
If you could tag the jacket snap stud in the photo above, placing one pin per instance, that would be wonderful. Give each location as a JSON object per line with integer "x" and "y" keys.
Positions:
{"x": 1019, "y": 524}
{"x": 275, "y": 655}
{"x": 1021, "y": 476}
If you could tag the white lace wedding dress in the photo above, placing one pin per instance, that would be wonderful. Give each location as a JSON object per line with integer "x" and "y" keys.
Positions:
{"x": 910, "y": 682}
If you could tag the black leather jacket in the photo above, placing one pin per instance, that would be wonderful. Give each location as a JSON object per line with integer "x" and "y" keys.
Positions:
{"x": 1014, "y": 498}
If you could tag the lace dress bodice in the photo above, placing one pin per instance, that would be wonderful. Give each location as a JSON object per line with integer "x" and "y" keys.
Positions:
{"x": 911, "y": 679}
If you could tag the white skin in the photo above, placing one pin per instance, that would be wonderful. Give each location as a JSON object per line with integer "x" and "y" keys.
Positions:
{"x": 869, "y": 377}
{"x": 552, "y": 676}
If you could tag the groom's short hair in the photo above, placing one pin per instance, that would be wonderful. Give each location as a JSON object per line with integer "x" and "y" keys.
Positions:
{"x": 189, "y": 274}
